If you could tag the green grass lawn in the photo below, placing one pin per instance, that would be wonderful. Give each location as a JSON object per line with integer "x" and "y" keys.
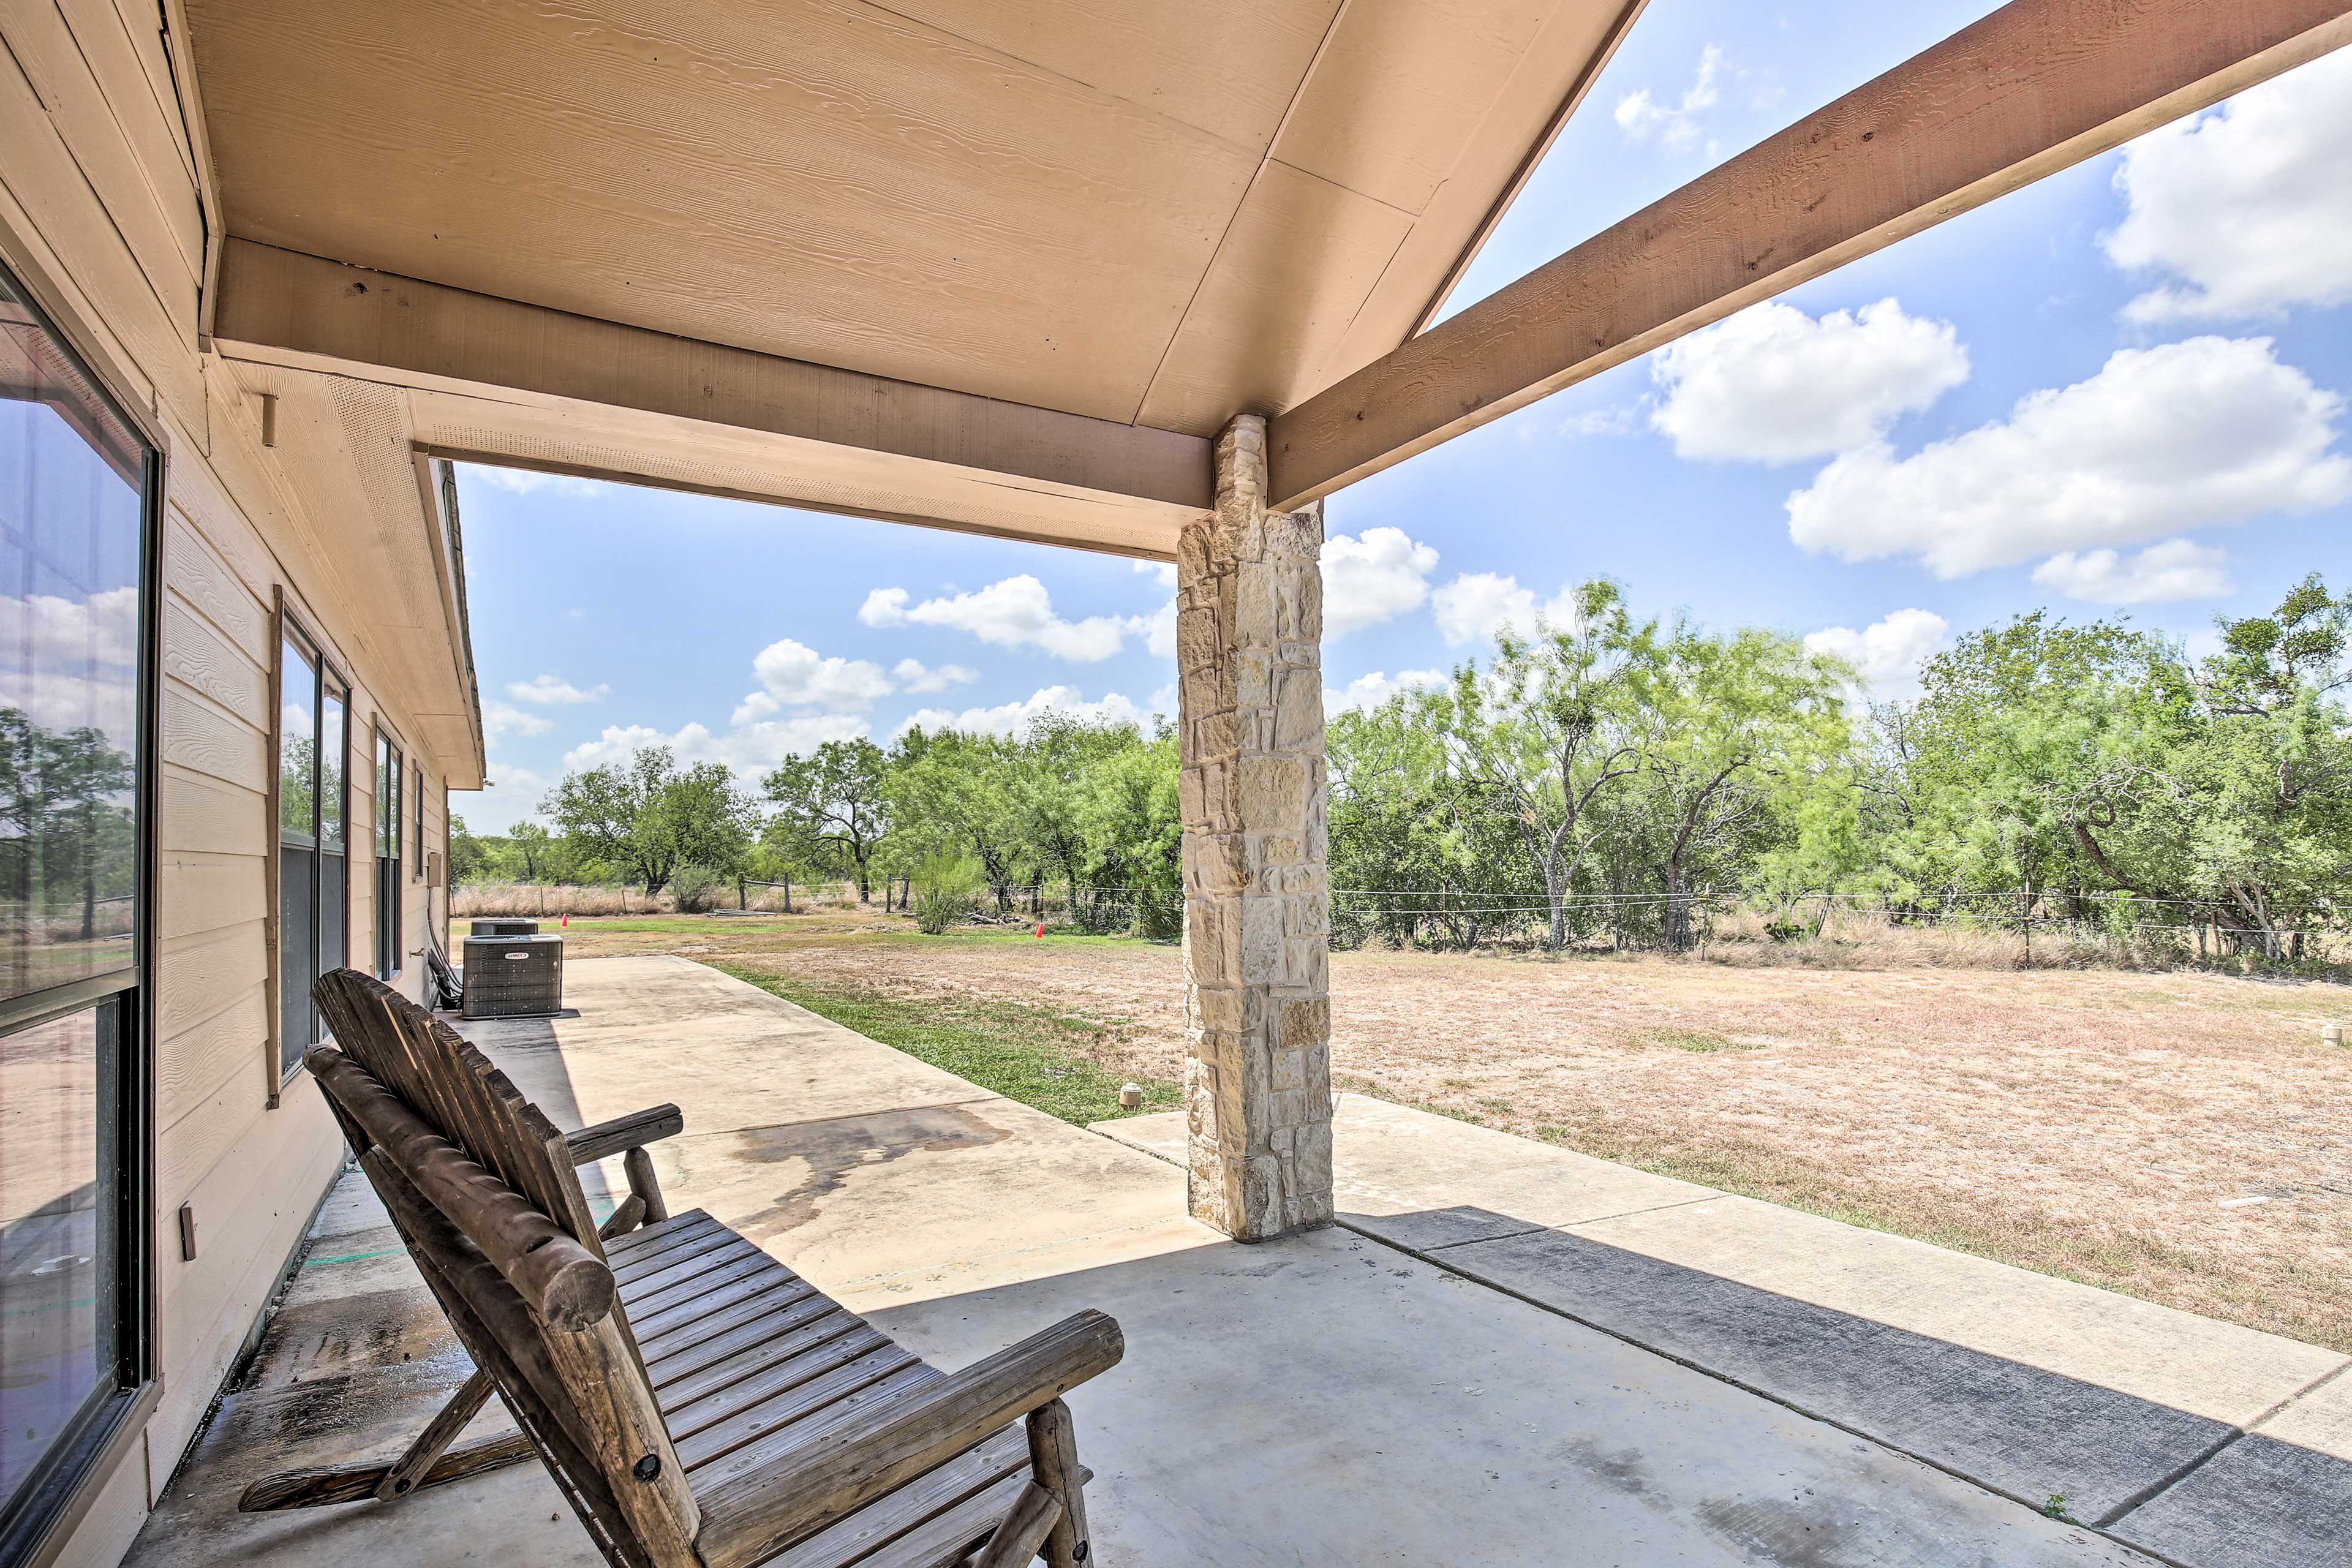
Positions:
{"x": 1033, "y": 1055}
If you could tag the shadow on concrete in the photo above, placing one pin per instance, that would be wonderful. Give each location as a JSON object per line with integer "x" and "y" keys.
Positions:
{"x": 2195, "y": 1489}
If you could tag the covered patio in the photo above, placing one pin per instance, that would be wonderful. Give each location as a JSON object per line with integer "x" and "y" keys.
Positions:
{"x": 1502, "y": 1354}
{"x": 1149, "y": 279}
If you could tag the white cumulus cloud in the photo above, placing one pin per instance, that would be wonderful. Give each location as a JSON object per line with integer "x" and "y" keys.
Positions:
{"x": 530, "y": 481}
{"x": 883, "y": 607}
{"x": 913, "y": 676}
{"x": 748, "y": 750}
{"x": 1643, "y": 117}
{"x": 497, "y": 717}
{"x": 1476, "y": 604}
{"x": 511, "y": 795}
{"x": 1014, "y": 613}
{"x": 797, "y": 676}
{"x": 1159, "y": 631}
{"x": 554, "y": 690}
{"x": 1887, "y": 653}
{"x": 2159, "y": 442}
{"x": 1371, "y": 690}
{"x": 1372, "y": 577}
{"x": 1616, "y": 419}
{"x": 2160, "y": 574}
{"x": 1773, "y": 384}
{"x": 2247, "y": 210}
{"x": 72, "y": 660}
{"x": 618, "y": 743}
{"x": 1014, "y": 718}
{"x": 755, "y": 706}
{"x": 752, "y": 749}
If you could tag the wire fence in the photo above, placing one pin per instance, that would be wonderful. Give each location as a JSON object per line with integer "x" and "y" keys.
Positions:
{"x": 2029, "y": 927}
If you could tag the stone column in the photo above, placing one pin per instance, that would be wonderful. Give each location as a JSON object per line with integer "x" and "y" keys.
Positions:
{"x": 1257, "y": 1077}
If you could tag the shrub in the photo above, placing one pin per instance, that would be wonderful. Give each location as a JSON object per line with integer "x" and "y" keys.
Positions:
{"x": 697, "y": 890}
{"x": 946, "y": 886}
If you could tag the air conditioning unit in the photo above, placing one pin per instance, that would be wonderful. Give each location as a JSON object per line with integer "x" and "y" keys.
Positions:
{"x": 505, "y": 928}
{"x": 513, "y": 976}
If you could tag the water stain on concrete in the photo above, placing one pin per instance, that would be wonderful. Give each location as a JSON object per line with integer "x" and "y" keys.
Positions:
{"x": 349, "y": 1333}
{"x": 833, "y": 1149}
{"x": 1791, "y": 1532}
{"x": 1620, "y": 1469}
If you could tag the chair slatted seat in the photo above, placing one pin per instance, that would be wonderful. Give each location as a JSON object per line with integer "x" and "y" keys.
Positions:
{"x": 698, "y": 1404}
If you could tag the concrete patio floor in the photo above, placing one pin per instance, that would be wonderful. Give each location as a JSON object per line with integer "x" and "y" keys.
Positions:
{"x": 1506, "y": 1355}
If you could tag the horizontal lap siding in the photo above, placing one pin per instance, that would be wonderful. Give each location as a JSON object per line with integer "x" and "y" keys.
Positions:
{"x": 98, "y": 198}
{"x": 73, "y": 173}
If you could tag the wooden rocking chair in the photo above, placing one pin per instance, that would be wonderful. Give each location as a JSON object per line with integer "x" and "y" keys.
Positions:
{"x": 700, "y": 1404}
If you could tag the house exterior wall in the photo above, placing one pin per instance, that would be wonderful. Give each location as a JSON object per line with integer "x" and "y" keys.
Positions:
{"x": 102, "y": 221}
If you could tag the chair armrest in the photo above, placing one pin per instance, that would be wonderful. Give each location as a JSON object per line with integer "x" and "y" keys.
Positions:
{"x": 623, "y": 1133}
{"x": 841, "y": 1468}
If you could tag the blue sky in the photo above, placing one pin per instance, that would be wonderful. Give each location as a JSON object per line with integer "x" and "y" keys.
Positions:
{"x": 2120, "y": 391}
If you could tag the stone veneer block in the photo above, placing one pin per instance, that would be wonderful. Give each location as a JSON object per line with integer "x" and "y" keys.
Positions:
{"x": 1257, "y": 1078}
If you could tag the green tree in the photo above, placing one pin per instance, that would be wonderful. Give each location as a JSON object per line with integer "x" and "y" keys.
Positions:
{"x": 90, "y": 827}
{"x": 532, "y": 849}
{"x": 2270, "y": 772}
{"x": 1743, "y": 722}
{"x": 1414, "y": 854}
{"x": 1560, "y": 719}
{"x": 1050, "y": 772}
{"x": 831, "y": 799}
{"x": 650, "y": 817}
{"x": 469, "y": 854}
{"x": 2041, "y": 759}
{"x": 948, "y": 790}
{"x": 1132, "y": 832}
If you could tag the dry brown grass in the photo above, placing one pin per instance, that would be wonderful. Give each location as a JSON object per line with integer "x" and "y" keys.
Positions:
{"x": 1867, "y": 939}
{"x": 538, "y": 901}
{"x": 2086, "y": 1123}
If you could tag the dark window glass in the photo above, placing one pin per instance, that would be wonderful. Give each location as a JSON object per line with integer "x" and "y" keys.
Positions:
{"x": 59, "y": 1188}
{"x": 297, "y": 849}
{"x": 334, "y": 834}
{"x": 389, "y": 764}
{"x": 71, "y": 527}
{"x": 313, "y": 839}
{"x": 75, "y": 481}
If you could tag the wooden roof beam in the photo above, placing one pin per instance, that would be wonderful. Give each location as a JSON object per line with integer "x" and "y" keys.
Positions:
{"x": 304, "y": 312}
{"x": 2034, "y": 87}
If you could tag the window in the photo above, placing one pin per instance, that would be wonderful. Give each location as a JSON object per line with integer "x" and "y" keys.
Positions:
{"x": 388, "y": 766}
{"x": 417, "y": 793}
{"x": 313, "y": 843}
{"x": 77, "y": 531}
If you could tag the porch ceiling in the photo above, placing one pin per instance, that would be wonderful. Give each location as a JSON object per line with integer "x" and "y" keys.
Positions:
{"x": 343, "y": 449}
{"x": 1121, "y": 209}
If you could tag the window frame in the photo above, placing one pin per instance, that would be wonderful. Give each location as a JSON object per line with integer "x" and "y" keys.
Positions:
{"x": 387, "y": 825}
{"x": 329, "y": 676}
{"x": 57, "y": 1494}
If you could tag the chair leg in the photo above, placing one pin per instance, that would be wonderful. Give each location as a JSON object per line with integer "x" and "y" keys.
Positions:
{"x": 1054, "y": 1457}
{"x": 435, "y": 1440}
{"x": 429, "y": 1461}
{"x": 626, "y": 1218}
{"x": 638, "y": 1166}
{"x": 1024, "y": 1533}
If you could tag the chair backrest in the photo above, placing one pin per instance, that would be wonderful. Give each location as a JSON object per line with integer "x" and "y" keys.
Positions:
{"x": 482, "y": 1189}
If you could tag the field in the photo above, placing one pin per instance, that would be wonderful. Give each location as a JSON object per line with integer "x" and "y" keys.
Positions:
{"x": 2185, "y": 1138}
